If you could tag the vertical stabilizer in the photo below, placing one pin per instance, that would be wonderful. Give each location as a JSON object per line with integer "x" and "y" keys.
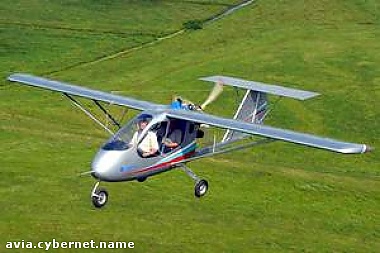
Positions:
{"x": 252, "y": 109}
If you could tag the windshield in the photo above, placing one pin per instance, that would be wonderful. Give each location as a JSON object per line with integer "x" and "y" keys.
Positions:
{"x": 128, "y": 134}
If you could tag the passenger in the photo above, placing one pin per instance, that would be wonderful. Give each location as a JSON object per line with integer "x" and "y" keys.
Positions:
{"x": 148, "y": 147}
{"x": 174, "y": 138}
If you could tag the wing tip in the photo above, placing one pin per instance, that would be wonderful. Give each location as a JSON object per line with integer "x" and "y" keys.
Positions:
{"x": 360, "y": 149}
{"x": 11, "y": 77}
{"x": 367, "y": 149}
{"x": 15, "y": 76}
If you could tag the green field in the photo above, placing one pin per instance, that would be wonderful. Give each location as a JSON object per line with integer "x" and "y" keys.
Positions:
{"x": 277, "y": 198}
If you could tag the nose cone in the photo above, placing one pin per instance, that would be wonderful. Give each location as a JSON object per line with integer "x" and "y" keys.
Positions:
{"x": 106, "y": 165}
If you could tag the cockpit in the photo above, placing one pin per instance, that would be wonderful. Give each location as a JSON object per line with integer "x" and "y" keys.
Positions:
{"x": 165, "y": 130}
{"x": 129, "y": 134}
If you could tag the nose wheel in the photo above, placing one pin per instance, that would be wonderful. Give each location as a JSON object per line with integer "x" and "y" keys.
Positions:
{"x": 99, "y": 196}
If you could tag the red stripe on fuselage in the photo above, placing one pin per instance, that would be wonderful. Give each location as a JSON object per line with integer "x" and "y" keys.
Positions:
{"x": 165, "y": 164}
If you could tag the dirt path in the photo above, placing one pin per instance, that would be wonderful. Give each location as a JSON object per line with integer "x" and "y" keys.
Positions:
{"x": 209, "y": 20}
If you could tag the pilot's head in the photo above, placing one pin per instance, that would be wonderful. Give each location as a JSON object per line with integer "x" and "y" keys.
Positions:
{"x": 143, "y": 121}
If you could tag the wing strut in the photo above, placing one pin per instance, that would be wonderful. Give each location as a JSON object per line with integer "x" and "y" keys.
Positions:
{"x": 108, "y": 114}
{"x": 89, "y": 114}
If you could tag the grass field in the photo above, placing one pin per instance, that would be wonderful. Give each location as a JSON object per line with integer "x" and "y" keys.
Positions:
{"x": 279, "y": 198}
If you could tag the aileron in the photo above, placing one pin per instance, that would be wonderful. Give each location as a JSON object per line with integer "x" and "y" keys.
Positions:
{"x": 81, "y": 91}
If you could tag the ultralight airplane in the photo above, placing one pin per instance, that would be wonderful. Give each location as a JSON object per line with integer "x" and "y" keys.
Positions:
{"x": 120, "y": 159}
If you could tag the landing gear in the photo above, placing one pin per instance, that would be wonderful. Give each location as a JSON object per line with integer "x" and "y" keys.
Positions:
{"x": 201, "y": 185}
{"x": 99, "y": 196}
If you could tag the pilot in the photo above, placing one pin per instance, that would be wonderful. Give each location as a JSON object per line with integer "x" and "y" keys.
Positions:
{"x": 174, "y": 138}
{"x": 148, "y": 147}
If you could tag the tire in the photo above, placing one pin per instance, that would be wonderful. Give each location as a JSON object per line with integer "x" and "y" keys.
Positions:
{"x": 100, "y": 198}
{"x": 141, "y": 179}
{"x": 201, "y": 188}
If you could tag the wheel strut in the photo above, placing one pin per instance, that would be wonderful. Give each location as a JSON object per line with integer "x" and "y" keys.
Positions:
{"x": 93, "y": 192}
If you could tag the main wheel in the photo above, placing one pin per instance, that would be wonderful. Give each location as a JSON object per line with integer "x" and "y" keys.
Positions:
{"x": 201, "y": 188}
{"x": 100, "y": 198}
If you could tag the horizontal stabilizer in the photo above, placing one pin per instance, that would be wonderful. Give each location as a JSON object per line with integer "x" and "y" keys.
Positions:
{"x": 262, "y": 87}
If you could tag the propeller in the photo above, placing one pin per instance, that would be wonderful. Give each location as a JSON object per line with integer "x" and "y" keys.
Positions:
{"x": 214, "y": 94}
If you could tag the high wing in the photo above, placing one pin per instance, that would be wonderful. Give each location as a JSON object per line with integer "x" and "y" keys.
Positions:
{"x": 250, "y": 128}
{"x": 271, "y": 132}
{"x": 82, "y": 92}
